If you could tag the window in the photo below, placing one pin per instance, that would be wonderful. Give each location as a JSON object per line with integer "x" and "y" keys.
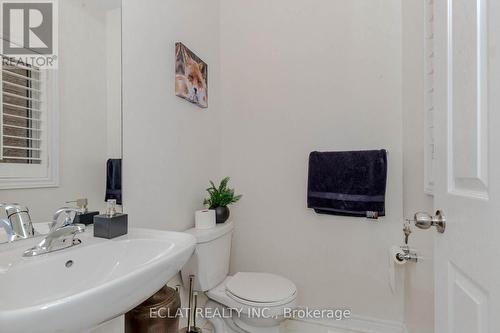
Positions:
{"x": 27, "y": 126}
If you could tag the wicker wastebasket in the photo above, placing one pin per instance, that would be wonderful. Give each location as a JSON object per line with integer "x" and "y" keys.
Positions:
{"x": 156, "y": 314}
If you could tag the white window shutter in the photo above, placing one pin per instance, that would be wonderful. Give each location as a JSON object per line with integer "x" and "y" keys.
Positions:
{"x": 27, "y": 127}
{"x": 21, "y": 115}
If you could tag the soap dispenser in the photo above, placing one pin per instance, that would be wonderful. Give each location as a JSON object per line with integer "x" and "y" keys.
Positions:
{"x": 84, "y": 216}
{"x": 111, "y": 224}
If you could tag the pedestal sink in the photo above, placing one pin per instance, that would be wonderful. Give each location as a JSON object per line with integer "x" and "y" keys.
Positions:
{"x": 80, "y": 287}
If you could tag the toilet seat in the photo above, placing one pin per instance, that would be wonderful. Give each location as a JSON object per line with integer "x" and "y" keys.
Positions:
{"x": 221, "y": 295}
{"x": 248, "y": 310}
{"x": 260, "y": 289}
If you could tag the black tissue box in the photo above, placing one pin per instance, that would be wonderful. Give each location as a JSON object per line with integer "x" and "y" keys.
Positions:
{"x": 110, "y": 226}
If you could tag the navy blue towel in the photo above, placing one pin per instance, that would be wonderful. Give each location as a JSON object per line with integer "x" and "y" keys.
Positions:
{"x": 114, "y": 180}
{"x": 350, "y": 183}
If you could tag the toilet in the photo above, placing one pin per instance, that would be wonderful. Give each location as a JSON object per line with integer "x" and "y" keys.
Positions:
{"x": 256, "y": 302}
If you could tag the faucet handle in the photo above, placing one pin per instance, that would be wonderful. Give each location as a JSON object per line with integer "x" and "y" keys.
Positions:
{"x": 64, "y": 216}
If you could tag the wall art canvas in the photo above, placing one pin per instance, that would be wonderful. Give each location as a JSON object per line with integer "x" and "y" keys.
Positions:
{"x": 191, "y": 76}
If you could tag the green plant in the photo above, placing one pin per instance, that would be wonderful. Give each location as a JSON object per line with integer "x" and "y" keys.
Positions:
{"x": 220, "y": 196}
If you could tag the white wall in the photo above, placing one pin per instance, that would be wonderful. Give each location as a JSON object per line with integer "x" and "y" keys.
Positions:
{"x": 419, "y": 278}
{"x": 295, "y": 77}
{"x": 299, "y": 76}
{"x": 171, "y": 147}
{"x": 113, "y": 41}
{"x": 82, "y": 111}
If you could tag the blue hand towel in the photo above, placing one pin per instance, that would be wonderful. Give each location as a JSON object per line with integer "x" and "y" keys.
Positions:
{"x": 350, "y": 183}
{"x": 114, "y": 180}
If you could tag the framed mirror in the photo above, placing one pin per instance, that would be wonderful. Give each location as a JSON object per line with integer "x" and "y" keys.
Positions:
{"x": 61, "y": 128}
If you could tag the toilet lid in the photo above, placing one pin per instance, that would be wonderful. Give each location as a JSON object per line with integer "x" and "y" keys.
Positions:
{"x": 261, "y": 287}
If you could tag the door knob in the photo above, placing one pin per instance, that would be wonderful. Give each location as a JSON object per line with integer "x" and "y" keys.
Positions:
{"x": 425, "y": 221}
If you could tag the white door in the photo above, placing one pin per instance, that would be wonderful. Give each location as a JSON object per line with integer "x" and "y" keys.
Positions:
{"x": 467, "y": 132}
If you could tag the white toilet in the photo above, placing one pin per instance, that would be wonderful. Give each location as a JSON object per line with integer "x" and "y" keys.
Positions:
{"x": 258, "y": 300}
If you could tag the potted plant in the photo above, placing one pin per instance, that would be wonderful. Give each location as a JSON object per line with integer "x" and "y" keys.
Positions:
{"x": 219, "y": 198}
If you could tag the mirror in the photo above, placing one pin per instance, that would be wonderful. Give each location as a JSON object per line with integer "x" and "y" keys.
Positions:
{"x": 71, "y": 115}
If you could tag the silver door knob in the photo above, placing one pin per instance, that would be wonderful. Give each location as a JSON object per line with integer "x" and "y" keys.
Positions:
{"x": 425, "y": 221}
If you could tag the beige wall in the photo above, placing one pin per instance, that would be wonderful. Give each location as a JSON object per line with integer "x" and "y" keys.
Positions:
{"x": 299, "y": 76}
{"x": 419, "y": 278}
{"x": 171, "y": 147}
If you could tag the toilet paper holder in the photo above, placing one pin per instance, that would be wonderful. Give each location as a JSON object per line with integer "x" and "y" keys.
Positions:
{"x": 407, "y": 255}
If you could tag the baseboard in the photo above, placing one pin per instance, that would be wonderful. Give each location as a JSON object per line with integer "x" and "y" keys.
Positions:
{"x": 354, "y": 324}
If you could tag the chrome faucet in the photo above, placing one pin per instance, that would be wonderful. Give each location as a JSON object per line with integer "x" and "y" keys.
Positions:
{"x": 17, "y": 223}
{"x": 62, "y": 233}
{"x": 64, "y": 217}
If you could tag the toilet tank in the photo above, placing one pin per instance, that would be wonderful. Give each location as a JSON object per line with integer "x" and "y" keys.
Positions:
{"x": 210, "y": 261}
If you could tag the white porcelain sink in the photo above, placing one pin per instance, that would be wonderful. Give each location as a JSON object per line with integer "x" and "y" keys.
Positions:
{"x": 105, "y": 279}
